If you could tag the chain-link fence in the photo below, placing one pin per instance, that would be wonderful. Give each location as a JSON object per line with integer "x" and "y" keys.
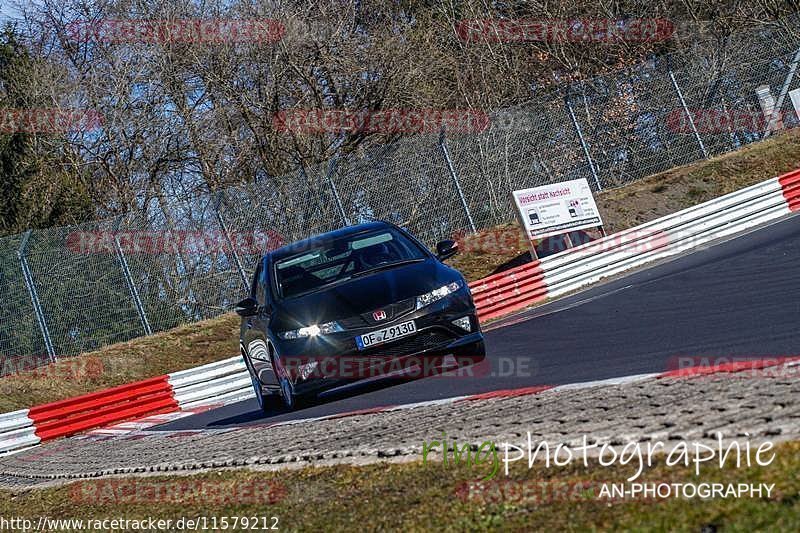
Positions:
{"x": 73, "y": 289}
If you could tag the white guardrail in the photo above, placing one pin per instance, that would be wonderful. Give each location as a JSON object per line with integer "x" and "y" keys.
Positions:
{"x": 670, "y": 235}
{"x": 17, "y": 432}
{"x": 221, "y": 382}
{"x": 212, "y": 384}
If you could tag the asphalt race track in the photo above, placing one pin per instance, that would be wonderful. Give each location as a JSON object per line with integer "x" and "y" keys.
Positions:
{"x": 739, "y": 298}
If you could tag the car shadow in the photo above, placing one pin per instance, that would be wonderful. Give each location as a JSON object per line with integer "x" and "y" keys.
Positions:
{"x": 512, "y": 263}
{"x": 309, "y": 406}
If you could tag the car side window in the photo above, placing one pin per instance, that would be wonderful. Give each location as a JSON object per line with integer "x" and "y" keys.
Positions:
{"x": 255, "y": 285}
{"x": 261, "y": 287}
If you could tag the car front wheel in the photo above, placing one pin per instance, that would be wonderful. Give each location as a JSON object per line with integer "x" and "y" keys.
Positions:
{"x": 287, "y": 393}
{"x": 268, "y": 403}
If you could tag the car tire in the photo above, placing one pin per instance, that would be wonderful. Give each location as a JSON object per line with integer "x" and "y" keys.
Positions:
{"x": 288, "y": 396}
{"x": 267, "y": 403}
{"x": 270, "y": 403}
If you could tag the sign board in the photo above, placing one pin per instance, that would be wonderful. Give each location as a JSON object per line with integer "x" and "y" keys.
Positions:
{"x": 795, "y": 96}
{"x": 557, "y": 208}
{"x": 767, "y": 103}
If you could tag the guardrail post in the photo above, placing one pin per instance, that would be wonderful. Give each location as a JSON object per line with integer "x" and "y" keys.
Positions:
{"x": 454, "y": 176}
{"x": 688, "y": 113}
{"x": 216, "y": 205}
{"x": 37, "y": 307}
{"x": 126, "y": 271}
{"x": 782, "y": 96}
{"x": 329, "y": 176}
{"x": 585, "y": 146}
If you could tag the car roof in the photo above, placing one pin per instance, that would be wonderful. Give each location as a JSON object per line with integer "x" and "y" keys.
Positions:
{"x": 321, "y": 239}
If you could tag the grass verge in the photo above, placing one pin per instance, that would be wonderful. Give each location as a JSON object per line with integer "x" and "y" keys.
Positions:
{"x": 117, "y": 364}
{"x": 487, "y": 252}
{"x": 425, "y": 497}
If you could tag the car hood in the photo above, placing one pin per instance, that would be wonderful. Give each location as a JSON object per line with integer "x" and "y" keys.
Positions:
{"x": 361, "y": 295}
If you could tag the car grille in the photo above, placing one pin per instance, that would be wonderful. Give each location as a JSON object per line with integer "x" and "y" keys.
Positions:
{"x": 352, "y": 322}
{"x": 410, "y": 345}
{"x": 392, "y": 311}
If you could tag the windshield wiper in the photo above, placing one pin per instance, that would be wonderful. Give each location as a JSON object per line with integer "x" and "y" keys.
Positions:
{"x": 385, "y": 266}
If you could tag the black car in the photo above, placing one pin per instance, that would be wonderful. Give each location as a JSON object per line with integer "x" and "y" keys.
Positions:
{"x": 355, "y": 303}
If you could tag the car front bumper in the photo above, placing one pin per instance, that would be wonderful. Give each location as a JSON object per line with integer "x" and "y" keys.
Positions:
{"x": 327, "y": 361}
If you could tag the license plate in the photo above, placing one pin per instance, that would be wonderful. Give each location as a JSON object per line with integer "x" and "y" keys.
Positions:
{"x": 386, "y": 334}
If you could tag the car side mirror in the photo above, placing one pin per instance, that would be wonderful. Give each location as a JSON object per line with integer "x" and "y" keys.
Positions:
{"x": 247, "y": 307}
{"x": 446, "y": 249}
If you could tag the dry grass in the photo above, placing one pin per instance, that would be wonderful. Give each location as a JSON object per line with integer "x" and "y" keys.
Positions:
{"x": 427, "y": 497}
{"x": 177, "y": 349}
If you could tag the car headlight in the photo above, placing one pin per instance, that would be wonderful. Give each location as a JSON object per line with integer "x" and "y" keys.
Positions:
{"x": 437, "y": 294}
{"x": 311, "y": 331}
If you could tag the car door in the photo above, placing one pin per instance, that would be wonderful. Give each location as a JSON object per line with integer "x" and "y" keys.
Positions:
{"x": 255, "y": 329}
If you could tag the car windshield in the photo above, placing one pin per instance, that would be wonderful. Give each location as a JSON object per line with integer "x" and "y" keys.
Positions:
{"x": 344, "y": 258}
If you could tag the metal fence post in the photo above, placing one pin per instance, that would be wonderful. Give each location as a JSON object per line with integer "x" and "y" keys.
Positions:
{"x": 688, "y": 114}
{"x": 782, "y": 96}
{"x": 583, "y": 141}
{"x": 37, "y": 307}
{"x": 329, "y": 176}
{"x": 454, "y": 176}
{"x": 126, "y": 271}
{"x": 216, "y": 205}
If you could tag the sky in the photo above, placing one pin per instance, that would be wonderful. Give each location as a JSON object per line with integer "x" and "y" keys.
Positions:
{"x": 7, "y": 10}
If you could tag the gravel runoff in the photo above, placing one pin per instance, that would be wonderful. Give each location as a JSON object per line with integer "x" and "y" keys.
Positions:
{"x": 757, "y": 406}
